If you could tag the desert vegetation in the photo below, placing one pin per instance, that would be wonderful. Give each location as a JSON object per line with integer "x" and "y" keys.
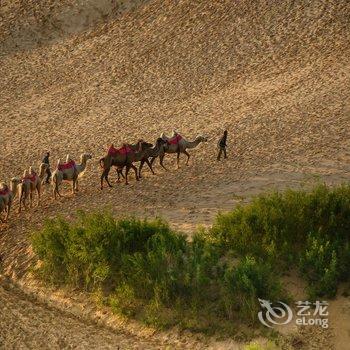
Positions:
{"x": 144, "y": 269}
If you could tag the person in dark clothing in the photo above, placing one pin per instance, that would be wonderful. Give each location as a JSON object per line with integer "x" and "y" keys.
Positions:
{"x": 222, "y": 144}
{"x": 46, "y": 160}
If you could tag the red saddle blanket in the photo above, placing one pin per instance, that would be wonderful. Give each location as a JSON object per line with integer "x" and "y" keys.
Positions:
{"x": 174, "y": 140}
{"x": 31, "y": 178}
{"x": 4, "y": 191}
{"x": 66, "y": 166}
{"x": 123, "y": 150}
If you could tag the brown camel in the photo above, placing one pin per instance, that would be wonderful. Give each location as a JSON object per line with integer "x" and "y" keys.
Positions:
{"x": 69, "y": 172}
{"x": 151, "y": 152}
{"x": 124, "y": 157}
{"x": 7, "y": 195}
{"x": 177, "y": 144}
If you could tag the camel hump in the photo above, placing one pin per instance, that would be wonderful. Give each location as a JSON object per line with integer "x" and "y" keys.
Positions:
{"x": 175, "y": 139}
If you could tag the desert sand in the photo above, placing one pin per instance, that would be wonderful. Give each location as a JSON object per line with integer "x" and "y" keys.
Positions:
{"x": 75, "y": 77}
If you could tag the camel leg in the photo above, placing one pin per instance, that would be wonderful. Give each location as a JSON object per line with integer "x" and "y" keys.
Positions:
{"x": 188, "y": 156}
{"x": 31, "y": 199}
{"x": 20, "y": 194}
{"x": 105, "y": 176}
{"x": 150, "y": 166}
{"x": 120, "y": 174}
{"x": 140, "y": 168}
{"x": 76, "y": 185}
{"x": 56, "y": 191}
{"x": 23, "y": 201}
{"x": 126, "y": 174}
{"x": 8, "y": 211}
{"x": 161, "y": 159}
{"x": 178, "y": 160}
{"x": 73, "y": 186}
{"x": 136, "y": 174}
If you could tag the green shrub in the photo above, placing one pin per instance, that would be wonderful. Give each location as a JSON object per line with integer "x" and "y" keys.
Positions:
{"x": 144, "y": 269}
{"x": 90, "y": 252}
{"x": 289, "y": 228}
{"x": 324, "y": 264}
{"x": 243, "y": 284}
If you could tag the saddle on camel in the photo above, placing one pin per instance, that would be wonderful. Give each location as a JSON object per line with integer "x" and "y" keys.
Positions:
{"x": 4, "y": 191}
{"x": 174, "y": 140}
{"x": 31, "y": 177}
{"x": 68, "y": 165}
{"x": 125, "y": 149}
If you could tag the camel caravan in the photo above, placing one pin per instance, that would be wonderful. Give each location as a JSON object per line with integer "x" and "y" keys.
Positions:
{"x": 28, "y": 186}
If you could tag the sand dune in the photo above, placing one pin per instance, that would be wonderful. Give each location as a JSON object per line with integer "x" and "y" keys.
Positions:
{"x": 76, "y": 76}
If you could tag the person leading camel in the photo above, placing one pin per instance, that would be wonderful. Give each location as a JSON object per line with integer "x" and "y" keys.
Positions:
{"x": 46, "y": 161}
{"x": 222, "y": 144}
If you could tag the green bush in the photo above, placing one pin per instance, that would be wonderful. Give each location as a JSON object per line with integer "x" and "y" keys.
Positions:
{"x": 144, "y": 269}
{"x": 242, "y": 285}
{"x": 290, "y": 229}
{"x": 91, "y": 251}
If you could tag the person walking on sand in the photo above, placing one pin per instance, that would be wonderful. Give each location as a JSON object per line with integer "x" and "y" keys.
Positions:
{"x": 222, "y": 144}
{"x": 46, "y": 160}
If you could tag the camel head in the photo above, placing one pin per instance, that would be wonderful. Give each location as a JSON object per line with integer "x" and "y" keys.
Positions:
{"x": 160, "y": 142}
{"x": 202, "y": 138}
{"x": 15, "y": 181}
{"x": 85, "y": 157}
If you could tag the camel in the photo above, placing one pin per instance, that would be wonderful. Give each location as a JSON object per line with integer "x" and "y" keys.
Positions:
{"x": 178, "y": 144}
{"x": 150, "y": 152}
{"x": 124, "y": 157}
{"x": 69, "y": 172}
{"x": 7, "y": 194}
{"x": 37, "y": 180}
{"x": 25, "y": 190}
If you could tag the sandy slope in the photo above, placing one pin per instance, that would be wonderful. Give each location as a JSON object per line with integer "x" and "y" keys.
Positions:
{"x": 25, "y": 323}
{"x": 276, "y": 74}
